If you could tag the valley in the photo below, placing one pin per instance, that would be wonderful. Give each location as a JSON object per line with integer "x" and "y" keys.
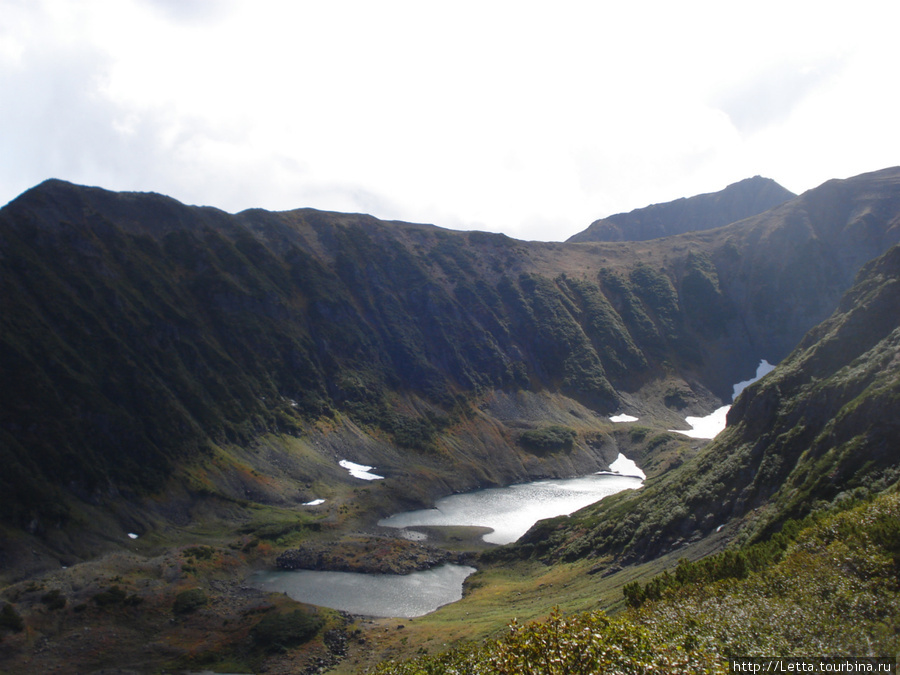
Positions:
{"x": 189, "y": 395}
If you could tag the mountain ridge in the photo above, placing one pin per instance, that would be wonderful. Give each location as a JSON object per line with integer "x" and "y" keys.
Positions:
{"x": 735, "y": 202}
{"x": 181, "y": 385}
{"x": 132, "y": 314}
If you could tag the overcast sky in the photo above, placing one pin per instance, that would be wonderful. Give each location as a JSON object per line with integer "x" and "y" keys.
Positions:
{"x": 529, "y": 118}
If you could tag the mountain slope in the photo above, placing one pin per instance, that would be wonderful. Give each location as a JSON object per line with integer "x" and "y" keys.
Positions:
{"x": 739, "y": 200}
{"x": 821, "y": 425}
{"x": 140, "y": 335}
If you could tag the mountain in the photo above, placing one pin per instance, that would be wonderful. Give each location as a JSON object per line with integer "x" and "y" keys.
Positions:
{"x": 740, "y": 200}
{"x": 820, "y": 428}
{"x": 144, "y": 342}
{"x": 180, "y": 385}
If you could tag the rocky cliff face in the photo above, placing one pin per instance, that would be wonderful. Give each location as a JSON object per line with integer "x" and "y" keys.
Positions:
{"x": 703, "y": 212}
{"x": 140, "y": 334}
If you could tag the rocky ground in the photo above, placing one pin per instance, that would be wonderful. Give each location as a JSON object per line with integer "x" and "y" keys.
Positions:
{"x": 374, "y": 554}
{"x": 184, "y": 610}
{"x": 187, "y": 609}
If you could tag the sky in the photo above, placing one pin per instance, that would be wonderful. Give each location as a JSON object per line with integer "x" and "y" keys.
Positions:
{"x": 528, "y": 118}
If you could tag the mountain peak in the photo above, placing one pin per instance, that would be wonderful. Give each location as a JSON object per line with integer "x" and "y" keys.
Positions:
{"x": 740, "y": 200}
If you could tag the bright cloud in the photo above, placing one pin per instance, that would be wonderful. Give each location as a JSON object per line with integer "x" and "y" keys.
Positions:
{"x": 522, "y": 117}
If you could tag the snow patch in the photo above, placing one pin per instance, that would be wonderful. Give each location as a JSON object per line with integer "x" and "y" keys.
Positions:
{"x": 764, "y": 368}
{"x": 706, "y": 427}
{"x": 623, "y": 418}
{"x": 626, "y": 467}
{"x": 314, "y": 502}
{"x": 359, "y": 470}
{"x": 712, "y": 424}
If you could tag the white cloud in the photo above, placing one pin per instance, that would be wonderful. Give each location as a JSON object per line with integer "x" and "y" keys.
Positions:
{"x": 513, "y": 116}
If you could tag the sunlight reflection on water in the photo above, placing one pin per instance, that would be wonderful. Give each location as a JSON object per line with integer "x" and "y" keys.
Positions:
{"x": 511, "y": 511}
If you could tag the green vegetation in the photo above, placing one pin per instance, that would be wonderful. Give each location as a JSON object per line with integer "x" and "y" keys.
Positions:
{"x": 814, "y": 431}
{"x": 189, "y": 601}
{"x": 278, "y": 632}
{"x": 150, "y": 353}
{"x": 54, "y": 599}
{"x": 705, "y": 306}
{"x": 567, "y": 645}
{"x": 605, "y": 328}
{"x": 139, "y": 334}
{"x": 826, "y": 585}
{"x": 835, "y": 591}
{"x": 113, "y": 595}
{"x": 10, "y": 618}
{"x": 549, "y": 438}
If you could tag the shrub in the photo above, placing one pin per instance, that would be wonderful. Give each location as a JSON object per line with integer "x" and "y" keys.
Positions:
{"x": 582, "y": 644}
{"x": 189, "y": 601}
{"x": 200, "y": 552}
{"x": 279, "y": 632}
{"x": 547, "y": 439}
{"x": 54, "y": 599}
{"x": 111, "y": 596}
{"x": 10, "y": 619}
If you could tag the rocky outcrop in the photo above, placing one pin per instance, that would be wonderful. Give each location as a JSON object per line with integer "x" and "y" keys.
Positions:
{"x": 369, "y": 555}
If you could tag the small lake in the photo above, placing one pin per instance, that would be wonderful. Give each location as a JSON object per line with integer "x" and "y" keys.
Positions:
{"x": 386, "y": 595}
{"x": 511, "y": 511}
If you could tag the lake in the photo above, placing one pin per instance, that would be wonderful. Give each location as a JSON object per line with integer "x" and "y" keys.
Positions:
{"x": 386, "y": 595}
{"x": 508, "y": 511}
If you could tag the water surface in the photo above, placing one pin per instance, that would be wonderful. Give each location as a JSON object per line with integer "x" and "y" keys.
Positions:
{"x": 508, "y": 511}
{"x": 385, "y": 595}
{"x": 511, "y": 511}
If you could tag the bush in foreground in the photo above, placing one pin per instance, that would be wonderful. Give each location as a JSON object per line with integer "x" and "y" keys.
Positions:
{"x": 582, "y": 644}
